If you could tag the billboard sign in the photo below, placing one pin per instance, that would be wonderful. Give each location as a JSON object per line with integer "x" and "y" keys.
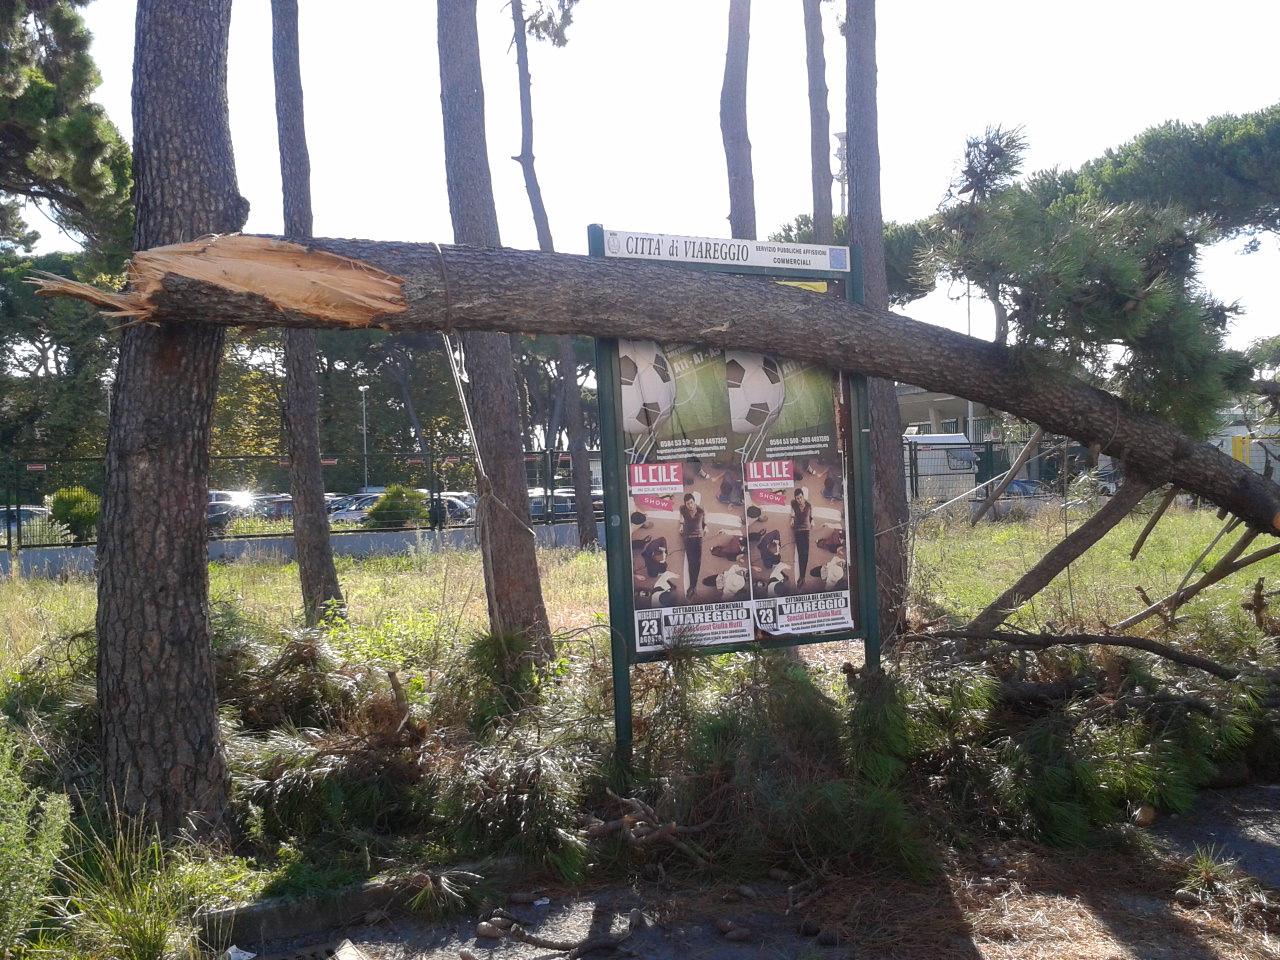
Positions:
{"x": 737, "y": 491}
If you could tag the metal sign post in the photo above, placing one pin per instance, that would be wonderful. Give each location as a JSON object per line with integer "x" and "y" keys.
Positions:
{"x": 737, "y": 485}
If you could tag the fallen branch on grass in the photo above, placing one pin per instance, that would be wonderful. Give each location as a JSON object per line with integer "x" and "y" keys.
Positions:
{"x": 573, "y": 949}
{"x": 1256, "y": 605}
{"x": 641, "y": 826}
{"x": 1230, "y": 562}
{"x": 1070, "y": 549}
{"x": 1013, "y": 642}
{"x": 1170, "y": 495}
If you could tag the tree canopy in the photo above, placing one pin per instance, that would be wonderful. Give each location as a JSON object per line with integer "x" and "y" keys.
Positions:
{"x": 1221, "y": 173}
{"x": 1095, "y": 272}
{"x": 59, "y": 149}
{"x": 54, "y": 360}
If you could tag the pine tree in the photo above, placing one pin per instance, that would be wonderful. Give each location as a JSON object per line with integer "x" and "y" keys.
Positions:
{"x": 59, "y": 150}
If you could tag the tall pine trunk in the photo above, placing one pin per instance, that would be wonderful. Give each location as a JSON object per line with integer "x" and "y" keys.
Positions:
{"x": 819, "y": 122}
{"x": 733, "y": 123}
{"x": 321, "y": 592}
{"x": 866, "y": 232}
{"x": 162, "y": 755}
{"x": 512, "y": 584}
{"x": 566, "y": 362}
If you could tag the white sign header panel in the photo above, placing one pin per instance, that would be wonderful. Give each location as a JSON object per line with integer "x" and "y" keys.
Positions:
{"x": 776, "y": 256}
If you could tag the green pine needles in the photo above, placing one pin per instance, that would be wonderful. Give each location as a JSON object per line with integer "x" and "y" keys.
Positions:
{"x": 32, "y": 831}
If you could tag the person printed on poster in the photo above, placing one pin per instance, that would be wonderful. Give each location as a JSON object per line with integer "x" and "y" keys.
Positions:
{"x": 801, "y": 524}
{"x": 733, "y": 549}
{"x": 834, "y": 574}
{"x": 770, "y": 547}
{"x": 654, "y": 555}
{"x": 693, "y": 525}
{"x": 733, "y": 583}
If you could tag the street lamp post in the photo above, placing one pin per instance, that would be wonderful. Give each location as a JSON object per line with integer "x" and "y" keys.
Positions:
{"x": 364, "y": 432}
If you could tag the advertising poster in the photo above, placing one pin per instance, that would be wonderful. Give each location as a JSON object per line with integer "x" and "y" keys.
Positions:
{"x": 680, "y": 497}
{"x": 784, "y": 426}
{"x": 735, "y": 495}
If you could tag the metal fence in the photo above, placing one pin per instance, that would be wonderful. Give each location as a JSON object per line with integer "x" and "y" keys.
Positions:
{"x": 945, "y": 471}
{"x": 55, "y": 501}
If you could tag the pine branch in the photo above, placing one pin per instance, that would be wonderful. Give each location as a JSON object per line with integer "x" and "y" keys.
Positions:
{"x": 1011, "y": 642}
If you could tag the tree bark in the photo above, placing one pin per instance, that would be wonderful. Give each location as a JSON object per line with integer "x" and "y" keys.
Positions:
{"x": 1065, "y": 553}
{"x": 733, "y": 123}
{"x": 512, "y": 584}
{"x": 566, "y": 362}
{"x": 317, "y": 574}
{"x": 399, "y": 366}
{"x": 457, "y": 287}
{"x": 162, "y": 756}
{"x": 866, "y": 233}
{"x": 579, "y": 459}
{"x": 819, "y": 123}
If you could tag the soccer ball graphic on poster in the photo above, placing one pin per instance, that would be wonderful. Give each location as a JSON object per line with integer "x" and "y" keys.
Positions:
{"x": 648, "y": 387}
{"x": 757, "y": 391}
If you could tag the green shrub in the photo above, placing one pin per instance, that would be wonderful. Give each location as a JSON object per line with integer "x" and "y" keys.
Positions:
{"x": 503, "y": 665}
{"x": 76, "y": 509}
{"x": 31, "y": 839}
{"x": 398, "y": 507}
{"x": 521, "y": 795}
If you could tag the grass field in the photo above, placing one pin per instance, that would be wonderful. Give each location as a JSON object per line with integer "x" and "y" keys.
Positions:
{"x": 956, "y": 570}
{"x": 783, "y": 761}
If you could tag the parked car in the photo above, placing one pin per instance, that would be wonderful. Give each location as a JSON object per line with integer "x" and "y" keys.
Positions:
{"x": 220, "y": 513}
{"x": 273, "y": 506}
{"x": 353, "y": 509}
{"x": 1109, "y": 478}
{"x": 466, "y": 496}
{"x": 457, "y": 510}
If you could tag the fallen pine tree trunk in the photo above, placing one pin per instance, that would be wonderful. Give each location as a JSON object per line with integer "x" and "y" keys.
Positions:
{"x": 261, "y": 281}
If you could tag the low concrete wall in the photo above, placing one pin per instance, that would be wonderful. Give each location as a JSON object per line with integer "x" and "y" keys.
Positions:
{"x": 70, "y": 561}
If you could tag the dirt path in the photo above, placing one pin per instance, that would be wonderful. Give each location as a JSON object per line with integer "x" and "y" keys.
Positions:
{"x": 1242, "y": 824}
{"x": 1017, "y": 901}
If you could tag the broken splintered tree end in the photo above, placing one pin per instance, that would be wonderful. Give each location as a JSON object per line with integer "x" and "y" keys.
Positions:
{"x": 335, "y": 290}
{"x": 113, "y": 304}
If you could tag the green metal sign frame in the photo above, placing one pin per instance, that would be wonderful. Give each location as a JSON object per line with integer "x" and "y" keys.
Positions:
{"x": 617, "y": 539}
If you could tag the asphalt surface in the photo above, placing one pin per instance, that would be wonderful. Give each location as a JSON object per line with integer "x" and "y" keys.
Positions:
{"x": 725, "y": 926}
{"x": 1241, "y": 824}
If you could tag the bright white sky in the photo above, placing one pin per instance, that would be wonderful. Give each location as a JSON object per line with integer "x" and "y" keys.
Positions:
{"x": 626, "y": 117}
